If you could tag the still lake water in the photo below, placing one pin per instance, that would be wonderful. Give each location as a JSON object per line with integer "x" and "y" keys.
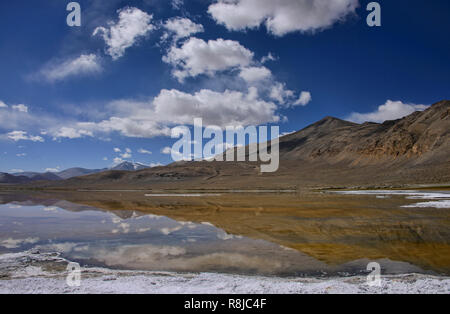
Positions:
{"x": 141, "y": 240}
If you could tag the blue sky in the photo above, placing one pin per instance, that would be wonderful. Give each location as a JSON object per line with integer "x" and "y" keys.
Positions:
{"x": 69, "y": 98}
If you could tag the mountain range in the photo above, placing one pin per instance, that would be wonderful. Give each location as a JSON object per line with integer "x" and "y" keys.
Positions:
{"x": 26, "y": 177}
{"x": 329, "y": 153}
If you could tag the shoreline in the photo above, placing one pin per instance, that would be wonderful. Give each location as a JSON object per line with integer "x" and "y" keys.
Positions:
{"x": 4, "y": 188}
{"x": 36, "y": 273}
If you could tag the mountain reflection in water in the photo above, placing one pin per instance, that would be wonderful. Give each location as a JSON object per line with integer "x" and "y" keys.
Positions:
{"x": 283, "y": 235}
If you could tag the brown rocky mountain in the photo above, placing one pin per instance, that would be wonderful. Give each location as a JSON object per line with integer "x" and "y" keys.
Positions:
{"x": 329, "y": 153}
{"x": 420, "y": 136}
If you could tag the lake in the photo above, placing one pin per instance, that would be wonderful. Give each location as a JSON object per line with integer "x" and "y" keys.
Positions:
{"x": 271, "y": 234}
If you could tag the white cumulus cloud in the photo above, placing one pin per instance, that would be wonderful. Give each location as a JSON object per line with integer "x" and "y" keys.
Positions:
{"x": 144, "y": 151}
{"x": 82, "y": 65}
{"x": 117, "y": 161}
{"x": 23, "y": 136}
{"x": 216, "y": 108}
{"x": 14, "y": 117}
{"x": 182, "y": 27}
{"x": 16, "y": 171}
{"x": 166, "y": 150}
{"x": 269, "y": 57}
{"x": 280, "y": 93}
{"x": 132, "y": 25}
{"x": 254, "y": 74}
{"x": 391, "y": 110}
{"x": 21, "y": 108}
{"x": 157, "y": 116}
{"x": 305, "y": 98}
{"x": 281, "y": 16}
{"x": 177, "y": 4}
{"x": 126, "y": 154}
{"x": 197, "y": 56}
{"x": 129, "y": 125}
{"x": 71, "y": 133}
{"x": 57, "y": 169}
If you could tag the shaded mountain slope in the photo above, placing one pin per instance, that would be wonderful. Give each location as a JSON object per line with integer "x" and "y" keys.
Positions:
{"x": 76, "y": 172}
{"x": 6, "y": 178}
{"x": 36, "y": 176}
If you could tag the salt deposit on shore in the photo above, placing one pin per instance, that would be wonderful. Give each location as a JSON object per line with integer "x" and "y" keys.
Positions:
{"x": 45, "y": 273}
{"x": 442, "y": 200}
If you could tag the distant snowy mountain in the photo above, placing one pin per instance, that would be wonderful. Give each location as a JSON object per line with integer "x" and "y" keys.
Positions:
{"x": 129, "y": 166}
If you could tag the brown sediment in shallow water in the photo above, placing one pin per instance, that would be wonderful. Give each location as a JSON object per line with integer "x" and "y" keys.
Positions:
{"x": 335, "y": 229}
